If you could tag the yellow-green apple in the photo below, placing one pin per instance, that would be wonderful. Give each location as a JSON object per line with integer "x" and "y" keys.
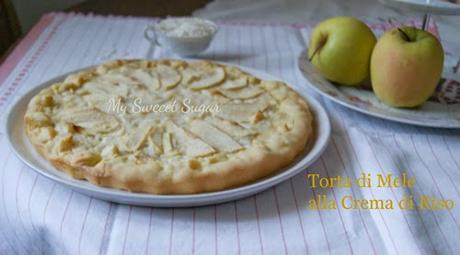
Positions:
{"x": 340, "y": 48}
{"x": 406, "y": 66}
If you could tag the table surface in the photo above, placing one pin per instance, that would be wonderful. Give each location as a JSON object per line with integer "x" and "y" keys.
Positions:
{"x": 38, "y": 215}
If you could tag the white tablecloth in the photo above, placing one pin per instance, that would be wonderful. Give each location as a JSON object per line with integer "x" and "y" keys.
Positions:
{"x": 40, "y": 216}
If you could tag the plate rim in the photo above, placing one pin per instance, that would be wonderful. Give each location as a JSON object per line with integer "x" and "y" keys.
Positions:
{"x": 301, "y": 59}
{"x": 433, "y": 8}
{"x": 181, "y": 200}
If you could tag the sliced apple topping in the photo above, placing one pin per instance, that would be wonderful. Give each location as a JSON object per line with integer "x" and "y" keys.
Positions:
{"x": 263, "y": 102}
{"x": 100, "y": 101}
{"x": 149, "y": 148}
{"x": 137, "y": 138}
{"x": 86, "y": 159}
{"x": 93, "y": 120}
{"x": 45, "y": 133}
{"x": 78, "y": 78}
{"x": 105, "y": 88}
{"x": 179, "y": 133}
{"x": 37, "y": 119}
{"x": 65, "y": 143}
{"x": 204, "y": 78}
{"x": 167, "y": 143}
{"x": 236, "y": 112}
{"x": 47, "y": 101}
{"x": 233, "y": 72}
{"x": 156, "y": 138}
{"x": 140, "y": 102}
{"x": 244, "y": 112}
{"x": 214, "y": 137}
{"x": 110, "y": 151}
{"x": 169, "y": 77}
{"x": 244, "y": 93}
{"x": 193, "y": 146}
{"x": 231, "y": 128}
{"x": 60, "y": 88}
{"x": 154, "y": 144}
{"x": 197, "y": 148}
{"x": 64, "y": 128}
{"x": 235, "y": 84}
{"x": 148, "y": 79}
{"x": 276, "y": 89}
{"x": 95, "y": 98}
{"x": 117, "y": 79}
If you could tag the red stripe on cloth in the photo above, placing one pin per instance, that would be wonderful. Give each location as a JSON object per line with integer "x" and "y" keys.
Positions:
{"x": 171, "y": 236}
{"x": 355, "y": 154}
{"x": 280, "y": 220}
{"x": 442, "y": 167}
{"x": 105, "y": 228}
{"x": 391, "y": 189}
{"x": 148, "y": 233}
{"x": 338, "y": 210}
{"x": 2, "y": 178}
{"x": 83, "y": 225}
{"x": 425, "y": 165}
{"x": 398, "y": 145}
{"x": 61, "y": 227}
{"x": 193, "y": 231}
{"x": 258, "y": 23}
{"x": 126, "y": 229}
{"x": 258, "y": 225}
{"x": 18, "y": 53}
{"x": 18, "y": 210}
{"x": 404, "y": 165}
{"x": 299, "y": 217}
{"x": 237, "y": 227}
{"x": 323, "y": 227}
{"x": 31, "y": 62}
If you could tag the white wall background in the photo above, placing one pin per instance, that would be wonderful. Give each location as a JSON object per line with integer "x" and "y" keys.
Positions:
{"x": 30, "y": 11}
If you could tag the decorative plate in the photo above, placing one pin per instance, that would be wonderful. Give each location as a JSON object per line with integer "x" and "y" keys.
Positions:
{"x": 442, "y": 110}
{"x": 442, "y": 7}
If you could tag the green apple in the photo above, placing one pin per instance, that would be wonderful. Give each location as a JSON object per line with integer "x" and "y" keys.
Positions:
{"x": 340, "y": 48}
{"x": 406, "y": 66}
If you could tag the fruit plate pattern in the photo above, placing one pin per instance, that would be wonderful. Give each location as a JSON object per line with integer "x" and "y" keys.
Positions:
{"x": 27, "y": 153}
{"x": 441, "y": 111}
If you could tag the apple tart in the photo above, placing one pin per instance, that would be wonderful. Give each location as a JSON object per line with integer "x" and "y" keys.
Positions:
{"x": 168, "y": 126}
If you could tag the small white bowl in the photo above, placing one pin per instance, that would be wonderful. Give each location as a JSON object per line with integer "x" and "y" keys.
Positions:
{"x": 186, "y": 46}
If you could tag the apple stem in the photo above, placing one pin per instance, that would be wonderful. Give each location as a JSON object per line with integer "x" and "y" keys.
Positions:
{"x": 404, "y": 34}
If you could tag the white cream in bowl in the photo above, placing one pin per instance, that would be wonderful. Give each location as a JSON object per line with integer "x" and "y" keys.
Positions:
{"x": 185, "y": 36}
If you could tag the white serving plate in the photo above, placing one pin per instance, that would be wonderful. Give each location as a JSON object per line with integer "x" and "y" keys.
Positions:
{"x": 434, "y": 6}
{"x": 26, "y": 152}
{"x": 430, "y": 114}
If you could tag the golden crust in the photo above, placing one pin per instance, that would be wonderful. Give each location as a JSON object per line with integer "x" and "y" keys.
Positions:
{"x": 259, "y": 129}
